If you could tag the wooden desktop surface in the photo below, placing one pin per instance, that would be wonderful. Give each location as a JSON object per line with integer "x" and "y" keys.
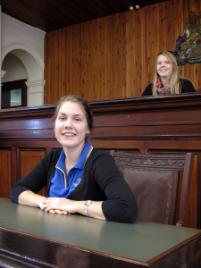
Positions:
{"x": 130, "y": 245}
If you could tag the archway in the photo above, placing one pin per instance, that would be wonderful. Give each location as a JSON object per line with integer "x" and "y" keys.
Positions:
{"x": 34, "y": 70}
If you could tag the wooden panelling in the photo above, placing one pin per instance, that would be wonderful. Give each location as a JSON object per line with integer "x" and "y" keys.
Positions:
{"x": 28, "y": 160}
{"x": 5, "y": 172}
{"x": 52, "y": 15}
{"x": 114, "y": 57}
{"x": 194, "y": 210}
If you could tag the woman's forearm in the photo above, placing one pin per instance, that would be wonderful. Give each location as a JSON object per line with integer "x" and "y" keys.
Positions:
{"x": 86, "y": 207}
{"x": 91, "y": 209}
{"x": 31, "y": 199}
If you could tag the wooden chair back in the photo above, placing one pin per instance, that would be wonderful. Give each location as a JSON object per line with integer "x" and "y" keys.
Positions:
{"x": 160, "y": 182}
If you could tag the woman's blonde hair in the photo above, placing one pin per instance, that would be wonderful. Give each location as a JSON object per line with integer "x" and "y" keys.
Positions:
{"x": 174, "y": 83}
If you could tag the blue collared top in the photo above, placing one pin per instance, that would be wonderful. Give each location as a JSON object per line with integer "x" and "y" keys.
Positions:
{"x": 62, "y": 185}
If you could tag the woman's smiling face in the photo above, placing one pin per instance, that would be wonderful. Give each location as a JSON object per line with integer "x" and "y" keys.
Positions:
{"x": 164, "y": 67}
{"x": 71, "y": 125}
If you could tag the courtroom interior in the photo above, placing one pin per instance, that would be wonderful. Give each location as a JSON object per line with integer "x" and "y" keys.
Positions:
{"x": 107, "y": 52}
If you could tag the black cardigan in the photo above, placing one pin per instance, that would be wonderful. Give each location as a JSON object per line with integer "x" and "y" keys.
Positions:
{"x": 186, "y": 87}
{"x": 102, "y": 182}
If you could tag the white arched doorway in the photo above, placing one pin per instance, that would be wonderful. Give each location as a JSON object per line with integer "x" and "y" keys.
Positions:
{"x": 31, "y": 68}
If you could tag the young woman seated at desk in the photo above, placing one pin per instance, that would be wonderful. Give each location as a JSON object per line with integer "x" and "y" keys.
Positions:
{"x": 79, "y": 178}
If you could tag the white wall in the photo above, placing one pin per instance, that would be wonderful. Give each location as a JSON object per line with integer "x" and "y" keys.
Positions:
{"x": 27, "y": 43}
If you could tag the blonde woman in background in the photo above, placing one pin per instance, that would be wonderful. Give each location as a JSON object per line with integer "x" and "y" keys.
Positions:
{"x": 167, "y": 80}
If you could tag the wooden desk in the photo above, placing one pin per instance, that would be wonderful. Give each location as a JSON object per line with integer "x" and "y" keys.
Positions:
{"x": 30, "y": 237}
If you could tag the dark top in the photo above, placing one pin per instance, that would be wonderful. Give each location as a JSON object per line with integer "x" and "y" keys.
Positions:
{"x": 186, "y": 87}
{"x": 102, "y": 182}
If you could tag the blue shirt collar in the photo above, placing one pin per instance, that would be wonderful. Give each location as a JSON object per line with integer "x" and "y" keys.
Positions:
{"x": 81, "y": 161}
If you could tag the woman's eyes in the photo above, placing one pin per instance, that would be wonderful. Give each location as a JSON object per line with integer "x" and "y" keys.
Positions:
{"x": 166, "y": 62}
{"x": 61, "y": 118}
{"x": 77, "y": 119}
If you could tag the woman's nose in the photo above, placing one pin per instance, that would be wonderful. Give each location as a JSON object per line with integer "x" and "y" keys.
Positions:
{"x": 67, "y": 123}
